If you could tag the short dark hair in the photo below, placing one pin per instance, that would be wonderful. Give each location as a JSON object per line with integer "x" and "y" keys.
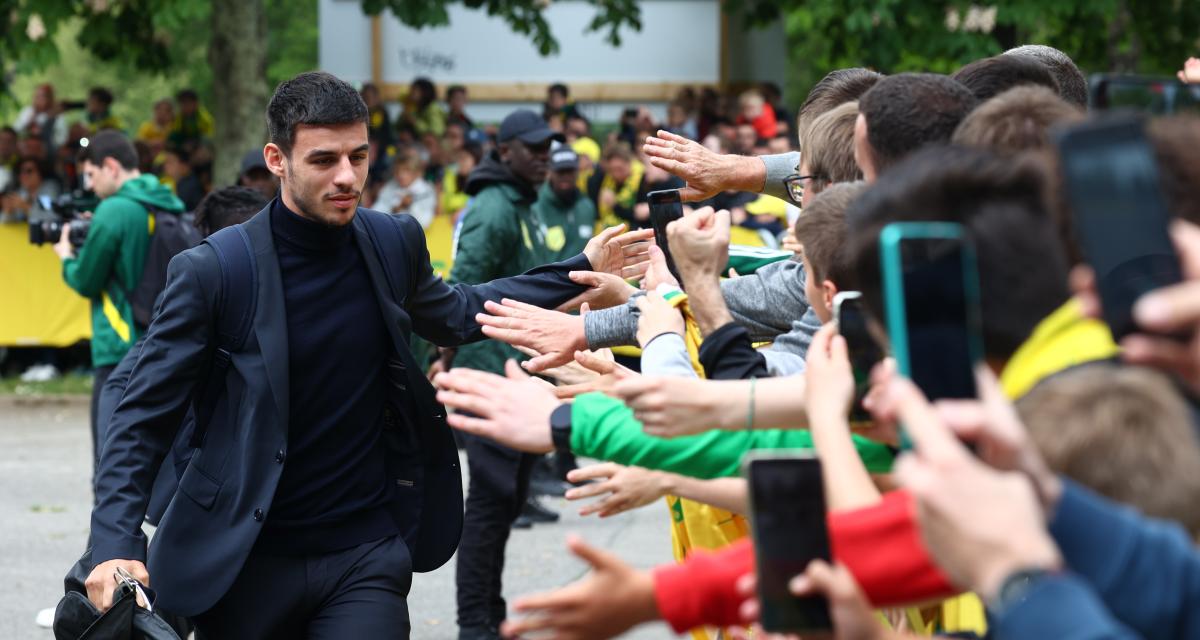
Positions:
{"x": 990, "y": 77}
{"x": 455, "y": 89}
{"x": 1017, "y": 120}
{"x": 110, "y": 143}
{"x": 909, "y": 111}
{"x": 103, "y": 95}
{"x": 179, "y": 152}
{"x": 187, "y": 94}
{"x": 10, "y": 130}
{"x": 822, "y": 229}
{"x": 559, "y": 88}
{"x": 999, "y": 201}
{"x": 838, "y": 86}
{"x": 313, "y": 98}
{"x": 226, "y": 207}
{"x": 1072, "y": 86}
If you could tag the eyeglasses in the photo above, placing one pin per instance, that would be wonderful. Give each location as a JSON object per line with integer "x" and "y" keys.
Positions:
{"x": 794, "y": 185}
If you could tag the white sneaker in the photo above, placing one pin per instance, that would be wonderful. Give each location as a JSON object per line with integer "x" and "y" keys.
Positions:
{"x": 39, "y": 373}
{"x": 45, "y": 618}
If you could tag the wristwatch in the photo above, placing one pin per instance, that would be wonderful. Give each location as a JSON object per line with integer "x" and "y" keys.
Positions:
{"x": 560, "y": 427}
{"x": 1015, "y": 587}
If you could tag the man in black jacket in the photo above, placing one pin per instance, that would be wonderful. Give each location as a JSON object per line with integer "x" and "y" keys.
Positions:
{"x": 327, "y": 473}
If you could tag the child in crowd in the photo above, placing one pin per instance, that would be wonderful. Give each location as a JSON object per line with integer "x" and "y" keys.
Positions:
{"x": 407, "y": 192}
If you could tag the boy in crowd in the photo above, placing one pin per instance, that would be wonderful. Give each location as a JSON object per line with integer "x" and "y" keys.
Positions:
{"x": 407, "y": 193}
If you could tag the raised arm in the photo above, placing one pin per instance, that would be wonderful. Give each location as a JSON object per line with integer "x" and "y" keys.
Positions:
{"x": 708, "y": 173}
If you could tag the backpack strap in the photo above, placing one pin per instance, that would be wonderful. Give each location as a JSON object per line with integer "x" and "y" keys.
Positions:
{"x": 234, "y": 318}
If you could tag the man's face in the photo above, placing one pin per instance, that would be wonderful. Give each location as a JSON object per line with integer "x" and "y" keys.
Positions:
{"x": 94, "y": 106}
{"x": 174, "y": 167}
{"x": 29, "y": 177}
{"x": 188, "y": 107}
{"x": 555, "y": 100}
{"x": 104, "y": 178}
{"x": 529, "y": 162}
{"x": 458, "y": 101}
{"x": 619, "y": 169}
{"x": 864, "y": 156}
{"x": 564, "y": 182}
{"x": 322, "y": 178}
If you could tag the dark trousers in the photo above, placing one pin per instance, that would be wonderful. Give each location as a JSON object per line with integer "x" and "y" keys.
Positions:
{"x": 359, "y": 593}
{"x": 498, "y": 487}
{"x": 99, "y": 376}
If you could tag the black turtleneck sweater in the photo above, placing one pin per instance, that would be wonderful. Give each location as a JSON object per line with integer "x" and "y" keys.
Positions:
{"x": 333, "y": 493}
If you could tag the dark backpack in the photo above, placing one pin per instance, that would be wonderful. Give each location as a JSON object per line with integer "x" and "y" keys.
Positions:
{"x": 171, "y": 236}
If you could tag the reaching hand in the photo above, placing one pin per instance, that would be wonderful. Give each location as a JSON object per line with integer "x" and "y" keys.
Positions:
{"x": 790, "y": 243}
{"x": 1190, "y": 73}
{"x": 829, "y": 378}
{"x": 609, "y": 373}
{"x": 658, "y": 273}
{"x": 621, "y": 254}
{"x": 657, "y": 317}
{"x": 574, "y": 372}
{"x": 555, "y": 335}
{"x": 980, "y": 524}
{"x": 706, "y": 173}
{"x": 514, "y": 410}
{"x": 626, "y": 488}
{"x": 670, "y": 407}
{"x": 604, "y": 290}
{"x": 853, "y": 617}
{"x": 611, "y": 600}
{"x": 700, "y": 244}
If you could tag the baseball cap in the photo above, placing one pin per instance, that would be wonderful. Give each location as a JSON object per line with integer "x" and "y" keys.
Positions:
{"x": 563, "y": 157}
{"x": 253, "y": 160}
{"x": 526, "y": 126}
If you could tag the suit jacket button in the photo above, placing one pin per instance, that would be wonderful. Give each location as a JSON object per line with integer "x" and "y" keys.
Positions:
{"x": 279, "y": 456}
{"x": 258, "y": 515}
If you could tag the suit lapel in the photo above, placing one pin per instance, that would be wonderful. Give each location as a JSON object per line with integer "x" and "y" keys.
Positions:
{"x": 270, "y": 318}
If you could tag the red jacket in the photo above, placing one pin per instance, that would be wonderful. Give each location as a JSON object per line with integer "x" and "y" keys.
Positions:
{"x": 881, "y": 545}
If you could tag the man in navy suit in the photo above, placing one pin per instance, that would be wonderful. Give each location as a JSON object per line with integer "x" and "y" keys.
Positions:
{"x": 327, "y": 473}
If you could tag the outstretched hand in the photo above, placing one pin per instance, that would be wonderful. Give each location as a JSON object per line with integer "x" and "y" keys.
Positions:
{"x": 553, "y": 334}
{"x": 622, "y": 488}
{"x": 513, "y": 409}
{"x": 706, "y": 173}
{"x": 621, "y": 254}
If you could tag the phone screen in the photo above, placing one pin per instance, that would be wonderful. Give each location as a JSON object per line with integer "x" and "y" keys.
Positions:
{"x": 665, "y": 206}
{"x": 1120, "y": 215}
{"x": 864, "y": 351}
{"x": 788, "y": 512}
{"x": 938, "y": 314}
{"x": 1156, "y": 96}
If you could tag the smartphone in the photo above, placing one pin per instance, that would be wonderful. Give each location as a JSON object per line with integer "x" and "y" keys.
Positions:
{"x": 1119, "y": 213}
{"x": 787, "y": 512}
{"x": 931, "y": 296}
{"x": 864, "y": 351}
{"x": 1147, "y": 94}
{"x": 665, "y": 206}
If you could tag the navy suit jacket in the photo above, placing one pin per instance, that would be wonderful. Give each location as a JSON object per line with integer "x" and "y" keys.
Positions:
{"x": 225, "y": 491}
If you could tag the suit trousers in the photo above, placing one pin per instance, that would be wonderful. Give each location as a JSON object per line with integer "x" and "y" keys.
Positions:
{"x": 100, "y": 414}
{"x": 499, "y": 484}
{"x": 360, "y": 592}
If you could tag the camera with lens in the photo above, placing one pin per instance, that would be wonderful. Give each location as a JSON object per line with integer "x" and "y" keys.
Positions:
{"x": 69, "y": 208}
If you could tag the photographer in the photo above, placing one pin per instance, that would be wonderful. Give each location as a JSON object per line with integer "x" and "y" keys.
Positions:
{"x": 108, "y": 265}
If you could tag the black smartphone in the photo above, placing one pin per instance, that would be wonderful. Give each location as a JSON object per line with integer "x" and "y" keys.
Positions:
{"x": 1120, "y": 215}
{"x": 1147, "y": 94}
{"x": 931, "y": 291}
{"x": 863, "y": 349}
{"x": 665, "y": 206}
{"x": 787, "y": 511}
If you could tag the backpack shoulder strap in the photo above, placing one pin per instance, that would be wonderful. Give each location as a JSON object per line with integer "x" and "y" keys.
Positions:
{"x": 234, "y": 318}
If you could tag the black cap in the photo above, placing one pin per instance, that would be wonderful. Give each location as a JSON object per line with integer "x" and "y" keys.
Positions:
{"x": 253, "y": 160}
{"x": 563, "y": 157}
{"x": 526, "y": 126}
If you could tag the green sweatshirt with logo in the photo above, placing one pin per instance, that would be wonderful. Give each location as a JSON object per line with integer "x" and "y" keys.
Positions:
{"x": 110, "y": 263}
{"x": 604, "y": 428}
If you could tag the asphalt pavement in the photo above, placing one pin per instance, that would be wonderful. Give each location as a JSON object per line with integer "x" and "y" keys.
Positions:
{"x": 45, "y": 503}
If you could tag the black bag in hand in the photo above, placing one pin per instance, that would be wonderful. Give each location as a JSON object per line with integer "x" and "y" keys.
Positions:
{"x": 76, "y": 618}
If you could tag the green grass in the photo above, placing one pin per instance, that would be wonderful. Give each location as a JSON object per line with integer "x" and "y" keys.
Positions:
{"x": 69, "y": 384}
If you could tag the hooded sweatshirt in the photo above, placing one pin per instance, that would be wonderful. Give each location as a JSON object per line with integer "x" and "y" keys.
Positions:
{"x": 115, "y": 252}
{"x": 501, "y": 236}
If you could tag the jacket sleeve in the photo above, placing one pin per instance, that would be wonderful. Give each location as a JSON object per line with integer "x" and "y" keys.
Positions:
{"x": 727, "y": 354}
{"x": 604, "y": 428}
{"x": 1147, "y": 572}
{"x": 769, "y": 300}
{"x": 612, "y": 327}
{"x": 779, "y": 166}
{"x": 1061, "y": 606}
{"x": 92, "y": 268}
{"x": 445, "y": 314}
{"x": 881, "y": 545}
{"x": 796, "y": 341}
{"x": 149, "y": 415}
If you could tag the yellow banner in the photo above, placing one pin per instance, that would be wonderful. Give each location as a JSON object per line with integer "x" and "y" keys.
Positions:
{"x": 36, "y": 307}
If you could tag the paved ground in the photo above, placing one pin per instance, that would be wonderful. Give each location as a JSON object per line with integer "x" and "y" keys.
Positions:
{"x": 44, "y": 504}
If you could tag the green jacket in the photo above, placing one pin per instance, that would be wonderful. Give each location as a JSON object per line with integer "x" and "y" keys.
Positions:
{"x": 568, "y": 227}
{"x": 604, "y": 428}
{"x": 499, "y": 237}
{"x": 115, "y": 250}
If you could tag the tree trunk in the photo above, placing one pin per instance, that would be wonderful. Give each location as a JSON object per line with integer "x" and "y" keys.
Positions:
{"x": 238, "y": 56}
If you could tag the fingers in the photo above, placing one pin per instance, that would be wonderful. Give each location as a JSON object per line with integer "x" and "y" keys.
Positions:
{"x": 585, "y": 278}
{"x": 1083, "y": 285}
{"x": 545, "y": 361}
{"x": 1160, "y": 353}
{"x": 593, "y": 472}
{"x": 930, "y": 436}
{"x": 634, "y": 238}
{"x": 598, "y": 558}
{"x": 529, "y": 351}
{"x": 469, "y": 424}
{"x": 592, "y": 362}
{"x": 466, "y": 402}
{"x": 468, "y": 381}
{"x": 671, "y": 137}
{"x": 815, "y": 580}
{"x": 513, "y": 371}
{"x": 635, "y": 271}
{"x": 721, "y": 222}
{"x": 1169, "y": 309}
{"x": 608, "y": 233}
{"x": 688, "y": 193}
